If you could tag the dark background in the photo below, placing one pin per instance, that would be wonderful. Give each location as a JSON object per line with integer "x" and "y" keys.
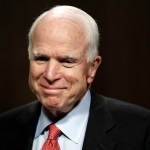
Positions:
{"x": 125, "y": 48}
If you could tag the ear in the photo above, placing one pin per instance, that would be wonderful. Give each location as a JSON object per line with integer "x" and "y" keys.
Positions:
{"x": 93, "y": 69}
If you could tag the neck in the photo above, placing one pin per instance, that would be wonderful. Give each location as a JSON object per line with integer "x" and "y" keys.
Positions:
{"x": 54, "y": 115}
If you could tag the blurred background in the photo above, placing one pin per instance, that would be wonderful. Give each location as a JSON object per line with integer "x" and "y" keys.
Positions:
{"x": 124, "y": 46}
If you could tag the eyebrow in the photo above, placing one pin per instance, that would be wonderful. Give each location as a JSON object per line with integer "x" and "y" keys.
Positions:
{"x": 62, "y": 57}
{"x": 36, "y": 54}
{"x": 68, "y": 57}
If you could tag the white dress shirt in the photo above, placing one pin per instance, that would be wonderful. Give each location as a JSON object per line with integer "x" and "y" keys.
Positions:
{"x": 73, "y": 127}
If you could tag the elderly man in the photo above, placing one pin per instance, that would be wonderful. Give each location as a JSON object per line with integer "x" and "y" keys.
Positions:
{"x": 63, "y": 53}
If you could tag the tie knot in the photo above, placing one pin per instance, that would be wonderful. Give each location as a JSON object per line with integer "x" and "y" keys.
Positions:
{"x": 54, "y": 132}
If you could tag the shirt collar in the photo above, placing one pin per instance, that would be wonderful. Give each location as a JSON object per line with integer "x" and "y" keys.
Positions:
{"x": 73, "y": 123}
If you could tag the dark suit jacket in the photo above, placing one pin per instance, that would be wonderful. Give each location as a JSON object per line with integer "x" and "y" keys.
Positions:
{"x": 112, "y": 125}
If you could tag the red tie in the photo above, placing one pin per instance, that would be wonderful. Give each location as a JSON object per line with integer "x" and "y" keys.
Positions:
{"x": 52, "y": 143}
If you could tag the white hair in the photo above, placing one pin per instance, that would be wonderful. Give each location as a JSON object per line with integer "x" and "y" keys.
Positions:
{"x": 76, "y": 15}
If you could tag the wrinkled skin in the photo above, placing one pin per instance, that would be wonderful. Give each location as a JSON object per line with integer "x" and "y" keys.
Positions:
{"x": 59, "y": 73}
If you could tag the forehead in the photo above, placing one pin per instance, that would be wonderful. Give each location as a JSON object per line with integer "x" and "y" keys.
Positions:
{"x": 59, "y": 33}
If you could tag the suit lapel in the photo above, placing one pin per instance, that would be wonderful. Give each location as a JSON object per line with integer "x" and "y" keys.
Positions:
{"x": 26, "y": 124}
{"x": 101, "y": 126}
{"x": 100, "y": 132}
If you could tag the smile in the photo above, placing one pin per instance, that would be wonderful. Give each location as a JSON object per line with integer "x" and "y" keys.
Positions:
{"x": 52, "y": 90}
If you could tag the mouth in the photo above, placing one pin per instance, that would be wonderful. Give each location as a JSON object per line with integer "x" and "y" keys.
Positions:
{"x": 52, "y": 90}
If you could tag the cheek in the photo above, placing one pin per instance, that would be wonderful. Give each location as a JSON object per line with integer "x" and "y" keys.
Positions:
{"x": 35, "y": 71}
{"x": 77, "y": 77}
{"x": 34, "y": 74}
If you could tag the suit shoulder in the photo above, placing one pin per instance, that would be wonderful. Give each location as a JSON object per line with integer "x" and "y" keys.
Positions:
{"x": 11, "y": 114}
{"x": 121, "y": 108}
{"x": 126, "y": 107}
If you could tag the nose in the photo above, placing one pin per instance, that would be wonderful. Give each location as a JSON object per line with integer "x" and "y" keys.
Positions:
{"x": 52, "y": 72}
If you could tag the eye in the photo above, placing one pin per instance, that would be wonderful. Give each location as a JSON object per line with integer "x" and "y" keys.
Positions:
{"x": 40, "y": 59}
{"x": 68, "y": 62}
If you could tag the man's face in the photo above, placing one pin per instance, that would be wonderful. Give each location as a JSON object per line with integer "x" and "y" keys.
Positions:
{"x": 59, "y": 73}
